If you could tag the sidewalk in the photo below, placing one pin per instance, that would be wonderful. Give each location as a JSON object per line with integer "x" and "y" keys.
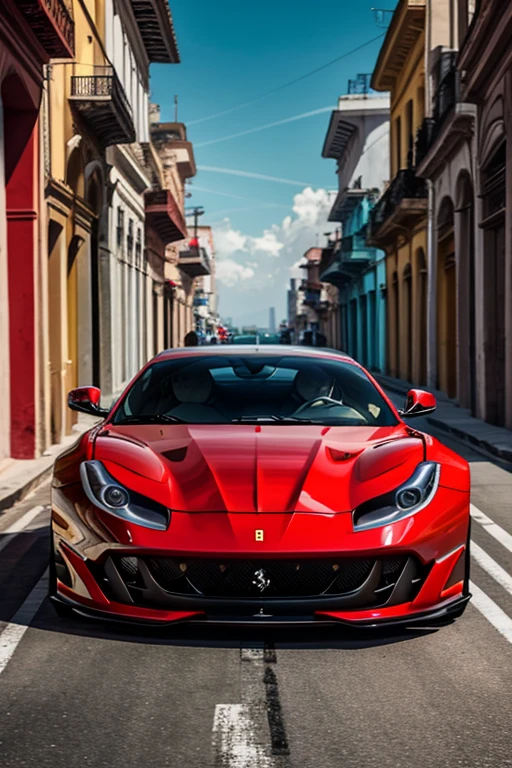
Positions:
{"x": 449, "y": 417}
{"x": 18, "y": 478}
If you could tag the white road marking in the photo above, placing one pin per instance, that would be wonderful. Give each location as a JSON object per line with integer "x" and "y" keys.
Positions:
{"x": 12, "y": 634}
{"x": 492, "y": 612}
{"x": 495, "y": 530}
{"x": 24, "y": 521}
{"x": 495, "y": 570}
{"x": 234, "y": 739}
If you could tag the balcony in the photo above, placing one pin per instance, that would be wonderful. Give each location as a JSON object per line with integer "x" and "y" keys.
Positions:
{"x": 164, "y": 216}
{"x": 52, "y": 23}
{"x": 194, "y": 262}
{"x": 156, "y": 29}
{"x": 402, "y": 205}
{"x": 170, "y": 139}
{"x": 102, "y": 103}
{"x": 452, "y": 120}
{"x": 347, "y": 262}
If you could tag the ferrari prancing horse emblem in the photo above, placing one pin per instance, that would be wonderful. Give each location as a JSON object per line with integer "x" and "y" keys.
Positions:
{"x": 258, "y": 534}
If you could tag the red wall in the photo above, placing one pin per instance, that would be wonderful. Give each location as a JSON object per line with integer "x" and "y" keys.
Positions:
{"x": 22, "y": 200}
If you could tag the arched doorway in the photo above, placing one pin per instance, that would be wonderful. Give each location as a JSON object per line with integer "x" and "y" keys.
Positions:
{"x": 421, "y": 304}
{"x": 407, "y": 320}
{"x": 466, "y": 299}
{"x": 446, "y": 301}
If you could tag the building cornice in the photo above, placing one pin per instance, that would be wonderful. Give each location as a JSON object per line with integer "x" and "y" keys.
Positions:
{"x": 349, "y": 118}
{"x": 156, "y": 29}
{"x": 406, "y": 26}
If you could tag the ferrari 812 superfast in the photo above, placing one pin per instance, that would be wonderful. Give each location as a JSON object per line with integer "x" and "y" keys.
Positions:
{"x": 259, "y": 484}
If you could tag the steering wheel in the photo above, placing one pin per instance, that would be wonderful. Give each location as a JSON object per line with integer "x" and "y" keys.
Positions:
{"x": 320, "y": 399}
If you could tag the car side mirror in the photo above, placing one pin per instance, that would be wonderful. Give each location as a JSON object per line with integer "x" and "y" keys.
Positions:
{"x": 87, "y": 400}
{"x": 418, "y": 403}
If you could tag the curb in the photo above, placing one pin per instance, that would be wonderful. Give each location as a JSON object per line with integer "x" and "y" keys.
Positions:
{"x": 35, "y": 476}
{"x": 503, "y": 453}
{"x": 7, "y": 501}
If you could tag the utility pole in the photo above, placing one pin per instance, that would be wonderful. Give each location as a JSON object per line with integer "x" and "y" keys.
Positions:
{"x": 176, "y": 108}
{"x": 196, "y": 212}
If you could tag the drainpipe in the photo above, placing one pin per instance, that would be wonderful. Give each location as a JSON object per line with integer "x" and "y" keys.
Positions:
{"x": 431, "y": 250}
{"x": 431, "y": 292}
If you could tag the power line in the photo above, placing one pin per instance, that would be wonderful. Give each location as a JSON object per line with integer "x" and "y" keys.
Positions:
{"x": 286, "y": 85}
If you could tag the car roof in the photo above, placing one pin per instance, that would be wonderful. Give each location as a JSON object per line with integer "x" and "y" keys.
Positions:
{"x": 266, "y": 349}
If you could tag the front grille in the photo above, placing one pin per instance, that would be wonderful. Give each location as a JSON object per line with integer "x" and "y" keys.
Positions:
{"x": 256, "y": 578}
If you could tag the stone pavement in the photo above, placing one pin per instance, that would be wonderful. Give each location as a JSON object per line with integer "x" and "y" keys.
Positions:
{"x": 18, "y": 478}
{"x": 459, "y": 421}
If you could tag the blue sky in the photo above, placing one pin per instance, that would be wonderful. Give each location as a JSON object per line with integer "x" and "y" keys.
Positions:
{"x": 233, "y": 51}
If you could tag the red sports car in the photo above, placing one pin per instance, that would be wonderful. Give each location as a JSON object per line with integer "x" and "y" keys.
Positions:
{"x": 259, "y": 485}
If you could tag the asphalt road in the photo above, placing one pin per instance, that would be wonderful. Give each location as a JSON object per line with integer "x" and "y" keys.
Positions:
{"x": 75, "y": 692}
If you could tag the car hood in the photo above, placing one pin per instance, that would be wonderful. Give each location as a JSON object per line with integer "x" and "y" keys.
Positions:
{"x": 267, "y": 468}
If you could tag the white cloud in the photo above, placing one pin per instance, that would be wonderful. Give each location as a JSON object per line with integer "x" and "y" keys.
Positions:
{"x": 230, "y": 272}
{"x": 251, "y": 270}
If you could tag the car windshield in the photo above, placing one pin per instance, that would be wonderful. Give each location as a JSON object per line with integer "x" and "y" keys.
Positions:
{"x": 273, "y": 389}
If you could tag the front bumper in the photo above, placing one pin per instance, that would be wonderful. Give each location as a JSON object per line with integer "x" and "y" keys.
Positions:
{"x": 431, "y": 584}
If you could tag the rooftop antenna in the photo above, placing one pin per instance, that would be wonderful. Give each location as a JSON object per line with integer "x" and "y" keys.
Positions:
{"x": 176, "y": 108}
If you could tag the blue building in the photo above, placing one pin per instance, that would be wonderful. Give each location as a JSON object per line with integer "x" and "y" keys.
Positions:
{"x": 358, "y": 139}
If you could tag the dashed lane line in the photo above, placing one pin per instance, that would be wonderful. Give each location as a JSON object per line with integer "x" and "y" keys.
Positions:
{"x": 492, "y": 528}
{"x": 11, "y": 636}
{"x": 9, "y": 533}
{"x": 492, "y": 612}
{"x": 489, "y": 565}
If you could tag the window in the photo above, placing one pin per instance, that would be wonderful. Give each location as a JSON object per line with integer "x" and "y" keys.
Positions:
{"x": 398, "y": 143}
{"x": 120, "y": 227}
{"x": 138, "y": 248}
{"x": 129, "y": 239}
{"x": 409, "y": 131}
{"x": 253, "y": 388}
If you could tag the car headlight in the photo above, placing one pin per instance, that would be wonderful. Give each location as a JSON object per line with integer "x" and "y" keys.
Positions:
{"x": 106, "y": 493}
{"x": 406, "y": 500}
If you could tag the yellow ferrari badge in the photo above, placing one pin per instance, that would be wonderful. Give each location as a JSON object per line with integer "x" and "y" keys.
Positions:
{"x": 258, "y": 534}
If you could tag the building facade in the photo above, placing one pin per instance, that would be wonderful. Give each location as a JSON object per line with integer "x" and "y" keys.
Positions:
{"x": 315, "y": 306}
{"x": 30, "y": 35}
{"x": 177, "y": 157}
{"x": 484, "y": 68}
{"x": 358, "y": 139}
{"x": 399, "y": 220}
{"x": 205, "y": 301}
{"x": 445, "y": 154}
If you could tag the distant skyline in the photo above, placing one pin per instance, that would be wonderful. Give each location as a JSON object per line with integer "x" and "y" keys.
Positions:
{"x": 265, "y": 190}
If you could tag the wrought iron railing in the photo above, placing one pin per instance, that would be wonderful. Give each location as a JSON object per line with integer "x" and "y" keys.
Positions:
{"x": 405, "y": 185}
{"x": 446, "y": 97}
{"x": 104, "y": 83}
{"x": 60, "y": 14}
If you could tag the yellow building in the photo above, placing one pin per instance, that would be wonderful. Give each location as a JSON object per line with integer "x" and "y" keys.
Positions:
{"x": 75, "y": 189}
{"x": 398, "y": 223}
{"x": 106, "y": 266}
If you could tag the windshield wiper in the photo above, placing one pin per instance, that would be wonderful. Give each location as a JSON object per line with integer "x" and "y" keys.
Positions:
{"x": 272, "y": 419}
{"x": 151, "y": 418}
